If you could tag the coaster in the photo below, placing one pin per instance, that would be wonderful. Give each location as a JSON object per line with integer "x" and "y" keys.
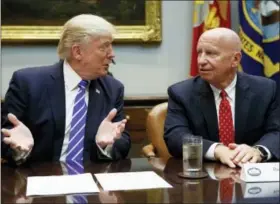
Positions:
{"x": 193, "y": 175}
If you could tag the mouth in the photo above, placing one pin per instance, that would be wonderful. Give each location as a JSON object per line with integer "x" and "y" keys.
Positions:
{"x": 203, "y": 70}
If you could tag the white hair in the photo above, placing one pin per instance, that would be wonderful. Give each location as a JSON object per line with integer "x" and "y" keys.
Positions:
{"x": 81, "y": 29}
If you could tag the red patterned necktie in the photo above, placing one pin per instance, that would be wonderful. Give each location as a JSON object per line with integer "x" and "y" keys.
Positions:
{"x": 226, "y": 190}
{"x": 226, "y": 131}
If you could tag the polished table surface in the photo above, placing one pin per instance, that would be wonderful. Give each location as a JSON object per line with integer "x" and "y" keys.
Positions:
{"x": 13, "y": 186}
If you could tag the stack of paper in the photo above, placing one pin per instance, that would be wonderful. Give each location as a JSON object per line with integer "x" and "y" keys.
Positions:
{"x": 131, "y": 181}
{"x": 56, "y": 185}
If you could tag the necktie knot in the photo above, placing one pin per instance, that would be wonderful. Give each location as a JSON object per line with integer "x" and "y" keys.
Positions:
{"x": 223, "y": 94}
{"x": 83, "y": 84}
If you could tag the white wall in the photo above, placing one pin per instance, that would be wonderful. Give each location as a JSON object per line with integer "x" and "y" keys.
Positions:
{"x": 145, "y": 70}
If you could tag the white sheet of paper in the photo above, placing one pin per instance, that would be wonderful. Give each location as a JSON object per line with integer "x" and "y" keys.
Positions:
{"x": 65, "y": 184}
{"x": 131, "y": 181}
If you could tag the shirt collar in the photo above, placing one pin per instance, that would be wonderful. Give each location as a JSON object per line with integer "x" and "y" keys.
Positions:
{"x": 71, "y": 78}
{"x": 229, "y": 89}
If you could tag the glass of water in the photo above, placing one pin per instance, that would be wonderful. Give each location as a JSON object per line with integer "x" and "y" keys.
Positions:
{"x": 192, "y": 154}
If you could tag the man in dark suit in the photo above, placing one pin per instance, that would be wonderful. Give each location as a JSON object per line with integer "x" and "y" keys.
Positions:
{"x": 72, "y": 110}
{"x": 237, "y": 115}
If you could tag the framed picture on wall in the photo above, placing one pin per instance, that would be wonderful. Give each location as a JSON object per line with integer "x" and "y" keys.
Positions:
{"x": 42, "y": 20}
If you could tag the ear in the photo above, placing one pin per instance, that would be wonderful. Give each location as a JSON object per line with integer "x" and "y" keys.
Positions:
{"x": 76, "y": 52}
{"x": 236, "y": 59}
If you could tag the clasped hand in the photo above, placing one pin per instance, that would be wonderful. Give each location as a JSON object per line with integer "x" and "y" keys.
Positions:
{"x": 235, "y": 155}
{"x": 19, "y": 137}
{"x": 108, "y": 131}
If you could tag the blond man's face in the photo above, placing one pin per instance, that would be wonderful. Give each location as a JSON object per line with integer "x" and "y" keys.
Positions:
{"x": 96, "y": 57}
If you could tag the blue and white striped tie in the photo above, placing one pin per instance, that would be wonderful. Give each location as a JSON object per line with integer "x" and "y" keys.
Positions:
{"x": 78, "y": 123}
{"x": 74, "y": 168}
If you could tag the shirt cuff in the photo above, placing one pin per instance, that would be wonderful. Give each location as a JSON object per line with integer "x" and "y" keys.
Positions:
{"x": 210, "y": 154}
{"x": 20, "y": 156}
{"x": 268, "y": 152}
{"x": 107, "y": 151}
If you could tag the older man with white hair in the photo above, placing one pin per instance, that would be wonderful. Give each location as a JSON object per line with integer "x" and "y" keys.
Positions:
{"x": 72, "y": 110}
{"x": 236, "y": 114}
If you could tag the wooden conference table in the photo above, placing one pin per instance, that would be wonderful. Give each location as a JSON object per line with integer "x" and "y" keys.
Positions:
{"x": 13, "y": 183}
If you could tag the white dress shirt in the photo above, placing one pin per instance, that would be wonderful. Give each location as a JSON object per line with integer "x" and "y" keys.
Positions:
{"x": 230, "y": 90}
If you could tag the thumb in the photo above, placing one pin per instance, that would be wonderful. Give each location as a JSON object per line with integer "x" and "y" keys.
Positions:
{"x": 13, "y": 119}
{"x": 232, "y": 145}
{"x": 111, "y": 115}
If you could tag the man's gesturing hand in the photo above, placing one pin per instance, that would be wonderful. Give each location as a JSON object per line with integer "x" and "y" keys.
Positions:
{"x": 109, "y": 131}
{"x": 19, "y": 137}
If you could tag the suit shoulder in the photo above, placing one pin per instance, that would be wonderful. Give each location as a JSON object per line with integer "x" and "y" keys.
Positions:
{"x": 110, "y": 82}
{"x": 259, "y": 83}
{"x": 182, "y": 86}
{"x": 33, "y": 72}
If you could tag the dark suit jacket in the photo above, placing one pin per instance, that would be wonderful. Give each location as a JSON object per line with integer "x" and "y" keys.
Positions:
{"x": 37, "y": 97}
{"x": 191, "y": 109}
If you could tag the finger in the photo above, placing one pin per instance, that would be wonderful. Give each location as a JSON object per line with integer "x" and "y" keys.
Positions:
{"x": 124, "y": 121}
{"x": 240, "y": 156}
{"x": 118, "y": 132}
{"x": 254, "y": 159}
{"x": 6, "y": 132}
{"x": 121, "y": 127}
{"x": 235, "y": 153}
{"x": 10, "y": 142}
{"x": 111, "y": 115}
{"x": 232, "y": 145}
{"x": 13, "y": 119}
{"x": 117, "y": 124}
{"x": 230, "y": 163}
{"x": 7, "y": 140}
{"x": 247, "y": 157}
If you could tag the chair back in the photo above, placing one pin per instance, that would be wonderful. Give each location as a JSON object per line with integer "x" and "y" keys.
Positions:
{"x": 155, "y": 129}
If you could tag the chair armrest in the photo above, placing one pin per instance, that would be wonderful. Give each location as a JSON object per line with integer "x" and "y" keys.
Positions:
{"x": 149, "y": 151}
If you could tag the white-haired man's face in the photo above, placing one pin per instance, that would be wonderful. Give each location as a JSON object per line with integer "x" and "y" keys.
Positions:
{"x": 95, "y": 57}
{"x": 216, "y": 59}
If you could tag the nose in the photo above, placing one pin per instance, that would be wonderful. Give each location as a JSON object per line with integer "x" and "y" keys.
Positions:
{"x": 111, "y": 53}
{"x": 201, "y": 59}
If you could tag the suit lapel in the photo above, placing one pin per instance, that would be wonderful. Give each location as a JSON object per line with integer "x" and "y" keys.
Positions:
{"x": 57, "y": 98}
{"x": 242, "y": 103}
{"x": 208, "y": 109}
{"x": 93, "y": 116}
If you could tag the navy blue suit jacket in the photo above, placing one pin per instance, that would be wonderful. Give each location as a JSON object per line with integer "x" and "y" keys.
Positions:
{"x": 37, "y": 97}
{"x": 192, "y": 109}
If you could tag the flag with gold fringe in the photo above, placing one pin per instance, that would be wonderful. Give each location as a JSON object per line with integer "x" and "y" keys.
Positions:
{"x": 207, "y": 14}
{"x": 259, "y": 33}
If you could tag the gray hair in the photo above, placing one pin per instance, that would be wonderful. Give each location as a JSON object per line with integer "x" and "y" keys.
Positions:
{"x": 80, "y": 30}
